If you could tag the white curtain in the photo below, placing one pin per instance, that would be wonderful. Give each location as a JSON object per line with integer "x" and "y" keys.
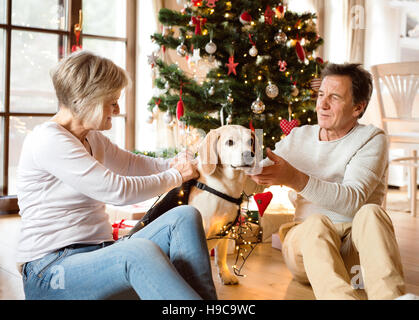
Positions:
{"x": 355, "y": 33}
{"x": 157, "y": 135}
{"x": 341, "y": 24}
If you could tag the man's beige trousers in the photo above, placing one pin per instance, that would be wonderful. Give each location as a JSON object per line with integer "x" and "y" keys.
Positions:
{"x": 331, "y": 256}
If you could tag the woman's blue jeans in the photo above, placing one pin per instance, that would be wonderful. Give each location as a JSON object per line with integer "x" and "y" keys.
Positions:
{"x": 168, "y": 259}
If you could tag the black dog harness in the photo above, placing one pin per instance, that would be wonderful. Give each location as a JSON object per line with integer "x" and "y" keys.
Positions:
{"x": 179, "y": 196}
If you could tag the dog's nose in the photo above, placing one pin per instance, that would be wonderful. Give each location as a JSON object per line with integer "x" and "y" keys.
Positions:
{"x": 248, "y": 157}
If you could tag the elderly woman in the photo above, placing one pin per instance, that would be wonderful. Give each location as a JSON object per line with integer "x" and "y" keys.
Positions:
{"x": 67, "y": 172}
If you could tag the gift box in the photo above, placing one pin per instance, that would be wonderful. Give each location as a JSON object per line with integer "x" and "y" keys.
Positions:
{"x": 280, "y": 210}
{"x": 249, "y": 232}
{"x": 276, "y": 241}
{"x": 272, "y": 220}
{"x": 122, "y": 228}
{"x": 129, "y": 212}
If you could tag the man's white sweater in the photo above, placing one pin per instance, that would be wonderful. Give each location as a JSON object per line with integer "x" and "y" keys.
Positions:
{"x": 344, "y": 174}
{"x": 62, "y": 189}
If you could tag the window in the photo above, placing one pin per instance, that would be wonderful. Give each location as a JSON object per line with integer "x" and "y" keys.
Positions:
{"x": 34, "y": 36}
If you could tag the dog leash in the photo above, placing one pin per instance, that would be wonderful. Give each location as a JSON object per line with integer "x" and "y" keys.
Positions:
{"x": 224, "y": 196}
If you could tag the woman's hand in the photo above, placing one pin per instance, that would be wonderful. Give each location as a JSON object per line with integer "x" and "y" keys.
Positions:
{"x": 187, "y": 170}
{"x": 183, "y": 156}
{"x": 281, "y": 173}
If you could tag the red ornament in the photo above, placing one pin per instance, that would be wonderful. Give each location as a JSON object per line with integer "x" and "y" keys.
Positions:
{"x": 197, "y": 3}
{"x": 198, "y": 22}
{"x": 245, "y": 18}
{"x": 211, "y": 3}
{"x": 315, "y": 84}
{"x": 251, "y": 126}
{"x": 180, "y": 109}
{"x": 262, "y": 201}
{"x": 287, "y": 126}
{"x": 282, "y": 65}
{"x": 231, "y": 65}
{"x": 300, "y": 51}
{"x": 279, "y": 11}
{"x": 268, "y": 15}
{"x": 77, "y": 46}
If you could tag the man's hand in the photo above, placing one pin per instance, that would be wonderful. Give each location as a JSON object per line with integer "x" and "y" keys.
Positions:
{"x": 281, "y": 173}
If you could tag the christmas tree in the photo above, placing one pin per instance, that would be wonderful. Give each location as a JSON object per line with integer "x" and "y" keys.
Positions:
{"x": 264, "y": 71}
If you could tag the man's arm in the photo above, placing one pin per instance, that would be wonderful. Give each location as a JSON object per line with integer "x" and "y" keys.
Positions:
{"x": 362, "y": 175}
{"x": 281, "y": 173}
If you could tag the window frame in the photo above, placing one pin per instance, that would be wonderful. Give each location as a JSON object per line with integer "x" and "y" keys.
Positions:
{"x": 72, "y": 12}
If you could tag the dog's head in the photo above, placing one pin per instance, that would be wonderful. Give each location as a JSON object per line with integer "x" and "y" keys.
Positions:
{"x": 234, "y": 146}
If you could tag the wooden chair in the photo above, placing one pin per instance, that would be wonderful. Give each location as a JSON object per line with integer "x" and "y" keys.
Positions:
{"x": 401, "y": 123}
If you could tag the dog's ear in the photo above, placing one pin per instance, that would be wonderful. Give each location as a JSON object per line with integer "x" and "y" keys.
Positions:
{"x": 208, "y": 152}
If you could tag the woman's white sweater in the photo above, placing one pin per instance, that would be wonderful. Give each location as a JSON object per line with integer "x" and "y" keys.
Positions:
{"x": 62, "y": 189}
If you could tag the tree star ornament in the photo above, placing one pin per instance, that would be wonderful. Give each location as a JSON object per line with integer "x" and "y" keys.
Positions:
{"x": 152, "y": 59}
{"x": 231, "y": 65}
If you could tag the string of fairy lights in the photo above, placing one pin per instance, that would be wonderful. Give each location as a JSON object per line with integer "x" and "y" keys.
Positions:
{"x": 240, "y": 232}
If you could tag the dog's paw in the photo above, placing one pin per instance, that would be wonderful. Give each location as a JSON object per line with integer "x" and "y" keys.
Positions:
{"x": 227, "y": 278}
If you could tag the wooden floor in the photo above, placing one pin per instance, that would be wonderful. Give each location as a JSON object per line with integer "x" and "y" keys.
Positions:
{"x": 267, "y": 277}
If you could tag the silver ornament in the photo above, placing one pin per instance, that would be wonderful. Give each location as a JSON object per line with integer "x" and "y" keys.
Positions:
{"x": 156, "y": 109}
{"x": 230, "y": 98}
{"x": 280, "y": 37}
{"x": 150, "y": 118}
{"x": 211, "y": 47}
{"x": 272, "y": 90}
{"x": 258, "y": 106}
{"x": 294, "y": 91}
{"x": 253, "y": 51}
{"x": 182, "y": 50}
{"x": 229, "y": 119}
{"x": 167, "y": 118}
{"x": 211, "y": 91}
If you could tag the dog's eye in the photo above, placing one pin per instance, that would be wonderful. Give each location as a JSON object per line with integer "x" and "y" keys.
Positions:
{"x": 229, "y": 142}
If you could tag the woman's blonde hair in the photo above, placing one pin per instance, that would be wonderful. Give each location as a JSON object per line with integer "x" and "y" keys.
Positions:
{"x": 84, "y": 80}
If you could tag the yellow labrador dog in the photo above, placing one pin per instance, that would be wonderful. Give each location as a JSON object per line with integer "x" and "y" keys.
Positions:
{"x": 225, "y": 156}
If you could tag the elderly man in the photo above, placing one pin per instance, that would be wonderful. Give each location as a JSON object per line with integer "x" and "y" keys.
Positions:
{"x": 337, "y": 169}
